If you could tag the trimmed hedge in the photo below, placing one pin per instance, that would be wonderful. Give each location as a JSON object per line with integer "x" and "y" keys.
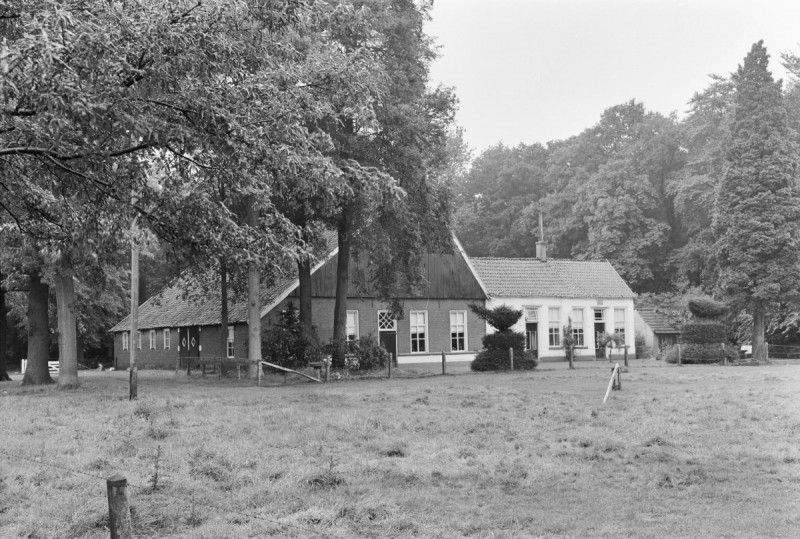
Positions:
{"x": 498, "y": 360}
{"x": 695, "y": 353}
{"x": 706, "y": 308}
{"x": 504, "y": 341}
{"x": 703, "y": 332}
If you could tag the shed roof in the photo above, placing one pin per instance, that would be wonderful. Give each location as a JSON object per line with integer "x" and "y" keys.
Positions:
{"x": 658, "y": 321}
{"x": 531, "y": 277}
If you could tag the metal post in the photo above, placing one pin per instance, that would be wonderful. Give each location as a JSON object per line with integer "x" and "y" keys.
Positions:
{"x": 391, "y": 356}
{"x": 444, "y": 363}
{"x": 511, "y": 357}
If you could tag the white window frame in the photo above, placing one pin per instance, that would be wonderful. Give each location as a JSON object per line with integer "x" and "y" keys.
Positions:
{"x": 230, "y": 344}
{"x": 126, "y": 338}
{"x": 152, "y": 339}
{"x": 347, "y": 326}
{"x": 138, "y": 340}
{"x": 554, "y": 327}
{"x": 394, "y": 322}
{"x": 532, "y": 314}
{"x": 426, "y": 336}
{"x": 619, "y": 323}
{"x": 167, "y": 339}
{"x": 456, "y": 327}
{"x": 602, "y": 313}
{"x": 578, "y": 331}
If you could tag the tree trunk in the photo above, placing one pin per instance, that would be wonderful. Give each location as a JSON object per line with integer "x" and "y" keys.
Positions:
{"x": 67, "y": 328}
{"x": 4, "y": 341}
{"x": 342, "y": 281}
{"x": 223, "y": 312}
{"x": 253, "y": 303}
{"x": 304, "y": 272}
{"x": 759, "y": 344}
{"x": 37, "y": 372}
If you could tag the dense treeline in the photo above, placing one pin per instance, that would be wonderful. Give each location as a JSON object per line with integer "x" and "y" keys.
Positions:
{"x": 642, "y": 190}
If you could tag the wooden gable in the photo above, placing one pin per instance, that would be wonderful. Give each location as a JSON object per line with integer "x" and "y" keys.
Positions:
{"x": 448, "y": 277}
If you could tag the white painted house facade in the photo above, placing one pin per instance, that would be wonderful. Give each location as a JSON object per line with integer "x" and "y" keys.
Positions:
{"x": 551, "y": 292}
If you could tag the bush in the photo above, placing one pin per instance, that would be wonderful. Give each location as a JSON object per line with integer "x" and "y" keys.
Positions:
{"x": 504, "y": 341}
{"x": 703, "y": 332}
{"x": 695, "y": 353}
{"x": 642, "y": 350}
{"x": 500, "y": 318}
{"x": 498, "y": 360}
{"x": 366, "y": 354}
{"x": 287, "y": 345}
{"x": 706, "y": 308}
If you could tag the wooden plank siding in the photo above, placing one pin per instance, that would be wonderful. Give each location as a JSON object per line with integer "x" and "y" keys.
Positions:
{"x": 448, "y": 277}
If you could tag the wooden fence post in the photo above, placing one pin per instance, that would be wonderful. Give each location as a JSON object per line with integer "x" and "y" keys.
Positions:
{"x": 444, "y": 363}
{"x": 119, "y": 512}
{"x": 626, "y": 355}
{"x": 391, "y": 358}
{"x": 679, "y": 354}
{"x": 511, "y": 357}
{"x": 724, "y": 356}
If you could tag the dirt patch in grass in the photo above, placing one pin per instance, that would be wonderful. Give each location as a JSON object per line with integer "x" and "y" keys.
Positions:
{"x": 692, "y": 451}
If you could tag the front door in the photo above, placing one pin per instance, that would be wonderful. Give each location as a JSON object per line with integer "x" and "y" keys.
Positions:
{"x": 189, "y": 339}
{"x": 387, "y": 332}
{"x": 531, "y": 339}
{"x": 599, "y": 351}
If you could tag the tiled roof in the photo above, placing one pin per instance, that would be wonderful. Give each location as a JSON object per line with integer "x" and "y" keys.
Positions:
{"x": 170, "y": 308}
{"x": 531, "y": 278}
{"x": 658, "y": 321}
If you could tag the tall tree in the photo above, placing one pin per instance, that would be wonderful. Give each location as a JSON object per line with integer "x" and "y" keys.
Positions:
{"x": 757, "y": 213}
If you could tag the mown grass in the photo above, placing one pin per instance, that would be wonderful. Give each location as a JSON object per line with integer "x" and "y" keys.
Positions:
{"x": 690, "y": 451}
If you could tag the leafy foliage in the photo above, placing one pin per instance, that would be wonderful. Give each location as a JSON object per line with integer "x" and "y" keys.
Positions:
{"x": 500, "y": 318}
{"x": 706, "y": 308}
{"x": 287, "y": 345}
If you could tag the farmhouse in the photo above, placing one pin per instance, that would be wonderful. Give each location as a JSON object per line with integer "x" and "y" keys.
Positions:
{"x": 657, "y": 329}
{"x": 436, "y": 318}
{"x": 549, "y": 292}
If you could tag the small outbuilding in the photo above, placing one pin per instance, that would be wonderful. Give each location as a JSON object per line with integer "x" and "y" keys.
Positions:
{"x": 656, "y": 327}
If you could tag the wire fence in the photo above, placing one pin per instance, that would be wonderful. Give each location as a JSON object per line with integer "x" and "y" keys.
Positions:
{"x": 190, "y": 502}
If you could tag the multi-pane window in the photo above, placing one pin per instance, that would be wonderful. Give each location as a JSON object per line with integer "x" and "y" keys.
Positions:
{"x": 599, "y": 315}
{"x": 386, "y": 321}
{"x": 352, "y": 325}
{"x": 577, "y": 326}
{"x": 619, "y": 324}
{"x": 458, "y": 331}
{"x": 125, "y": 340}
{"x": 167, "y": 339}
{"x": 152, "y": 339}
{"x": 554, "y": 329}
{"x": 138, "y": 340}
{"x": 531, "y": 314}
{"x": 230, "y": 347}
{"x": 419, "y": 331}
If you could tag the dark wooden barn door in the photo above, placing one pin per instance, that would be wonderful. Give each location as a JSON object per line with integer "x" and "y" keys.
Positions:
{"x": 189, "y": 339}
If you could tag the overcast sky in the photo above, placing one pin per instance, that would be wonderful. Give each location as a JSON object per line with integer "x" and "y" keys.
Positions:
{"x": 530, "y": 71}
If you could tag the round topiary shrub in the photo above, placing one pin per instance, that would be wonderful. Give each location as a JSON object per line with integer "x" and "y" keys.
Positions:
{"x": 499, "y": 360}
{"x": 495, "y": 356}
{"x": 706, "y": 308}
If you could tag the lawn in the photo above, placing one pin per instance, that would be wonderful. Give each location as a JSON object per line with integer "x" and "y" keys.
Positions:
{"x": 693, "y": 451}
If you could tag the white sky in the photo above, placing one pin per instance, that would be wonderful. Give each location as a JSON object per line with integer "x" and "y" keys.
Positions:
{"x": 530, "y": 71}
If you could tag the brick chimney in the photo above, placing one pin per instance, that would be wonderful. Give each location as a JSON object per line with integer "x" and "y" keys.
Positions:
{"x": 541, "y": 246}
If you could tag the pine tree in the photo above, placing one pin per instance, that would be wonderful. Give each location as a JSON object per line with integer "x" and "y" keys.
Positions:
{"x": 758, "y": 202}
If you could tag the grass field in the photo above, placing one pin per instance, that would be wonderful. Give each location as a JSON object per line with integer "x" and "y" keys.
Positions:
{"x": 693, "y": 451}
